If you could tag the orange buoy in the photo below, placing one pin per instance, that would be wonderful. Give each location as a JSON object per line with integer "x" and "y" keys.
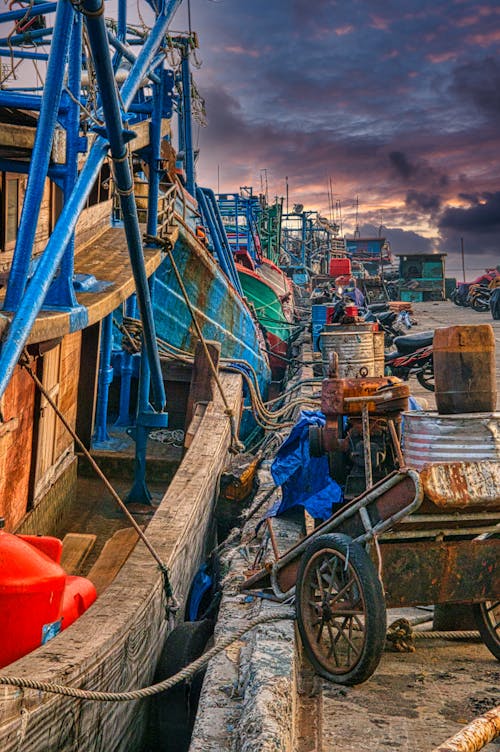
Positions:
{"x": 37, "y": 597}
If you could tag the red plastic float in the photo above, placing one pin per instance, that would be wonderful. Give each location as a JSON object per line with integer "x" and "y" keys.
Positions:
{"x": 37, "y": 598}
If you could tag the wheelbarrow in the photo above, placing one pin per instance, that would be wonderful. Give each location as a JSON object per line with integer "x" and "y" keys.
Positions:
{"x": 414, "y": 538}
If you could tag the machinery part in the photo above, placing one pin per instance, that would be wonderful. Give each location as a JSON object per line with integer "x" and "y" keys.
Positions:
{"x": 425, "y": 377}
{"x": 340, "y": 609}
{"x": 487, "y": 617}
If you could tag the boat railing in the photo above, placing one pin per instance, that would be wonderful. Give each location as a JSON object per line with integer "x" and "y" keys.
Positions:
{"x": 166, "y": 211}
{"x": 166, "y": 208}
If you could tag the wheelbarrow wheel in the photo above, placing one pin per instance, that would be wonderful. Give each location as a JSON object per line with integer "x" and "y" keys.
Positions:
{"x": 487, "y": 617}
{"x": 340, "y": 607}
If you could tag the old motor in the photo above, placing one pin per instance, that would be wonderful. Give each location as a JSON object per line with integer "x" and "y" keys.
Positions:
{"x": 362, "y": 430}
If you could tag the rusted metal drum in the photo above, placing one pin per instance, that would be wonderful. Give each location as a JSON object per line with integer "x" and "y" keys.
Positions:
{"x": 430, "y": 437}
{"x": 379, "y": 353}
{"x": 354, "y": 350}
{"x": 464, "y": 369}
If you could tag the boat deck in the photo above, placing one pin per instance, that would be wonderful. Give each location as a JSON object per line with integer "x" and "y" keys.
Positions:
{"x": 107, "y": 259}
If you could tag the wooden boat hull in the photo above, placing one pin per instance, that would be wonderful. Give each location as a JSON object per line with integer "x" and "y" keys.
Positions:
{"x": 269, "y": 310}
{"x": 281, "y": 284}
{"x": 115, "y": 645}
{"x": 220, "y": 311}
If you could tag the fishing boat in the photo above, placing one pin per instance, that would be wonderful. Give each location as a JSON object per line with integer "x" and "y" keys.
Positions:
{"x": 253, "y": 229}
{"x": 75, "y": 272}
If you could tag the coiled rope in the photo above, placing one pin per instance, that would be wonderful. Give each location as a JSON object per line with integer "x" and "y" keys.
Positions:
{"x": 154, "y": 689}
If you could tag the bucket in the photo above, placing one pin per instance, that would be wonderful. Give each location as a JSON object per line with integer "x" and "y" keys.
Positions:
{"x": 354, "y": 350}
{"x": 464, "y": 369}
{"x": 430, "y": 437}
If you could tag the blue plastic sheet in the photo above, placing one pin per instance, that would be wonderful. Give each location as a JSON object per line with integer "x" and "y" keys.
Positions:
{"x": 304, "y": 480}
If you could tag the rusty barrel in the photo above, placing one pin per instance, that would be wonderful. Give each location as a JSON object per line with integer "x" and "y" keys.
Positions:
{"x": 429, "y": 437}
{"x": 464, "y": 369}
{"x": 354, "y": 350}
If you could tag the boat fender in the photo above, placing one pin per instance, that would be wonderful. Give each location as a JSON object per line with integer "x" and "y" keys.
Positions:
{"x": 174, "y": 711}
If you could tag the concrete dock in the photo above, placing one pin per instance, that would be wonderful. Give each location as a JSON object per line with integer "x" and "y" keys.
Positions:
{"x": 262, "y": 695}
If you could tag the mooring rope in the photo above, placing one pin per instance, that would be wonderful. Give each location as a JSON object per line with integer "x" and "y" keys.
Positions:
{"x": 154, "y": 689}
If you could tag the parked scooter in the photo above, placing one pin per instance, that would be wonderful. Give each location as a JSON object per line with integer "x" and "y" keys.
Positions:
{"x": 413, "y": 357}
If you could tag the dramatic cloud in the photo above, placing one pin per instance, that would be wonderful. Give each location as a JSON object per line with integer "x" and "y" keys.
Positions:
{"x": 397, "y": 102}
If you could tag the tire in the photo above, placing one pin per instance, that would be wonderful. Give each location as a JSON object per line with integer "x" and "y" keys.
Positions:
{"x": 336, "y": 568}
{"x": 426, "y": 377}
{"x": 174, "y": 711}
{"x": 487, "y": 616}
{"x": 479, "y": 305}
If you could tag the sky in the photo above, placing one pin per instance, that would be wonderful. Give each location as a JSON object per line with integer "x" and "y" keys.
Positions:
{"x": 397, "y": 103}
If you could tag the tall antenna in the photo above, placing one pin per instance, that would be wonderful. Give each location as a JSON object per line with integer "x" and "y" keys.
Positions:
{"x": 356, "y": 231}
{"x": 286, "y": 188}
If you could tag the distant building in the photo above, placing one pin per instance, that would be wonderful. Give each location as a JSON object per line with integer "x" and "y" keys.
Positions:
{"x": 422, "y": 276}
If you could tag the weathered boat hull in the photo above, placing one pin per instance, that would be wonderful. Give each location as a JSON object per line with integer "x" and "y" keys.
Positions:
{"x": 220, "y": 311}
{"x": 115, "y": 645}
{"x": 281, "y": 284}
{"x": 269, "y": 310}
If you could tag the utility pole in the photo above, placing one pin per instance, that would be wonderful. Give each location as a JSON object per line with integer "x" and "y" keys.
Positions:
{"x": 463, "y": 257}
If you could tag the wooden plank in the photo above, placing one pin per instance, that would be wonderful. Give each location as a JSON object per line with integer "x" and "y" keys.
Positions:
{"x": 113, "y": 556}
{"x": 76, "y": 548}
{"x": 203, "y": 383}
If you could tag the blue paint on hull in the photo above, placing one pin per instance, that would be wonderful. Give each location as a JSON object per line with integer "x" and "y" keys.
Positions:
{"x": 221, "y": 313}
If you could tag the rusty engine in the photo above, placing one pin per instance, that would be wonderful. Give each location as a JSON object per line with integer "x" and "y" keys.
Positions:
{"x": 362, "y": 430}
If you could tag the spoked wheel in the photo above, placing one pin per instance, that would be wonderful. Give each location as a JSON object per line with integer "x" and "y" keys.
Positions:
{"x": 425, "y": 377}
{"x": 340, "y": 609}
{"x": 487, "y": 617}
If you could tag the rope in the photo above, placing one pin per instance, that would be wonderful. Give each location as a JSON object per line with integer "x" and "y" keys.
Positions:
{"x": 154, "y": 689}
{"x": 173, "y": 606}
{"x": 402, "y": 637}
{"x": 236, "y": 445}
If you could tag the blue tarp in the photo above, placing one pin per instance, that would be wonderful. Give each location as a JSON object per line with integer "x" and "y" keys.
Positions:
{"x": 305, "y": 480}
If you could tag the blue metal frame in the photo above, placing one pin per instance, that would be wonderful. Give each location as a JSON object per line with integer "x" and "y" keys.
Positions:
{"x": 26, "y": 295}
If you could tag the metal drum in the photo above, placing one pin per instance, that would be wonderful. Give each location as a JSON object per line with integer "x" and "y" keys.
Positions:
{"x": 379, "y": 353}
{"x": 354, "y": 350}
{"x": 464, "y": 369}
{"x": 430, "y": 437}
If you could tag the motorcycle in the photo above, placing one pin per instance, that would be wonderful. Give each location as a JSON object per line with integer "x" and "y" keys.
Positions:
{"x": 413, "y": 357}
{"x": 495, "y": 303}
{"x": 479, "y": 298}
{"x": 460, "y": 295}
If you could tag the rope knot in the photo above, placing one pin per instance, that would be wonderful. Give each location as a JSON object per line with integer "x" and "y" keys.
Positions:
{"x": 400, "y": 636}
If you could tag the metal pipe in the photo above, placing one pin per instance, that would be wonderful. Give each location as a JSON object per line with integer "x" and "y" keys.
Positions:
{"x": 333, "y": 523}
{"x": 35, "y": 10}
{"x": 105, "y": 378}
{"x": 24, "y": 54}
{"x": 40, "y": 156}
{"x": 62, "y": 292}
{"x": 187, "y": 120}
{"x": 125, "y": 187}
{"x": 23, "y": 101}
{"x": 154, "y": 162}
{"x": 128, "y": 55}
{"x": 26, "y": 37}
